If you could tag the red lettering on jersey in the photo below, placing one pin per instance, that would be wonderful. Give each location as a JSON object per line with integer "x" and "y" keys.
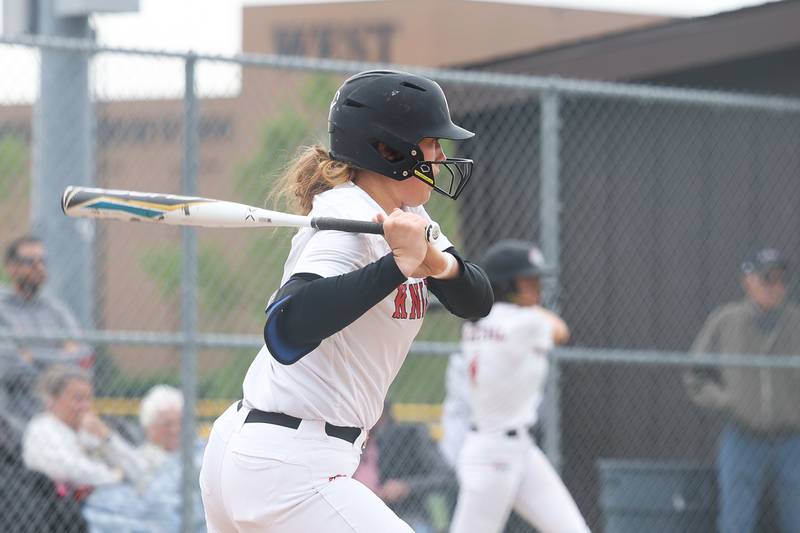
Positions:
{"x": 416, "y": 304}
{"x": 400, "y": 302}
{"x": 423, "y": 289}
{"x": 473, "y": 370}
{"x": 418, "y": 294}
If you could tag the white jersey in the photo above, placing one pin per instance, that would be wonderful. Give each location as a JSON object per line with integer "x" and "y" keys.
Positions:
{"x": 507, "y": 363}
{"x": 344, "y": 380}
{"x": 456, "y": 412}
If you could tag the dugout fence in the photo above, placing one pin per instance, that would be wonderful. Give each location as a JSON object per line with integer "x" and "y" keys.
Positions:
{"x": 643, "y": 199}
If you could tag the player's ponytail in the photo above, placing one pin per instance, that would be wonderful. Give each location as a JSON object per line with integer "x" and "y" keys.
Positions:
{"x": 310, "y": 173}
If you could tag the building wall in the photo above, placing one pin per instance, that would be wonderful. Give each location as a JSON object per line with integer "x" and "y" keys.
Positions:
{"x": 422, "y": 32}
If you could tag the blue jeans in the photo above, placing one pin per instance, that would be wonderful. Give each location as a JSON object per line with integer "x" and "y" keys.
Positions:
{"x": 745, "y": 464}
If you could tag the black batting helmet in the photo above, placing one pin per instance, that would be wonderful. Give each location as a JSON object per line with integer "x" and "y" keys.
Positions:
{"x": 507, "y": 260}
{"x": 397, "y": 109}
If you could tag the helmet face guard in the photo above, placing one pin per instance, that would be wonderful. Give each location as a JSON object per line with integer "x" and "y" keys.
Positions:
{"x": 453, "y": 174}
{"x": 396, "y": 110}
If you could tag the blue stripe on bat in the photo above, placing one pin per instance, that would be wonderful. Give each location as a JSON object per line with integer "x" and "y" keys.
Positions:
{"x": 138, "y": 211}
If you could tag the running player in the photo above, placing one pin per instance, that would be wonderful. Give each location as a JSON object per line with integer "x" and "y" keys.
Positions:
{"x": 500, "y": 467}
{"x": 340, "y": 326}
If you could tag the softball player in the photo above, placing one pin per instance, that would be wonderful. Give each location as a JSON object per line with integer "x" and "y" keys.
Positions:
{"x": 500, "y": 468}
{"x": 340, "y": 326}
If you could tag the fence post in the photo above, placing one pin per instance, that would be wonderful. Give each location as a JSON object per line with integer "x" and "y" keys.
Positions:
{"x": 549, "y": 201}
{"x": 549, "y": 227}
{"x": 63, "y": 143}
{"x": 189, "y": 300}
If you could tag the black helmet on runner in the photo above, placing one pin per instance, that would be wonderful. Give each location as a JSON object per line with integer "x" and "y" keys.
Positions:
{"x": 507, "y": 260}
{"x": 396, "y": 109}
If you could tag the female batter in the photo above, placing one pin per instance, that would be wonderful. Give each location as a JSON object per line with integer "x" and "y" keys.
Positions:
{"x": 340, "y": 326}
{"x": 500, "y": 467}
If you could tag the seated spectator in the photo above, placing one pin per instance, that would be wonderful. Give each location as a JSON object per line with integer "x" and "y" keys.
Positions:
{"x": 157, "y": 506}
{"x": 18, "y": 399}
{"x": 69, "y": 443}
{"x": 402, "y": 465}
{"x": 26, "y": 309}
{"x": 160, "y": 417}
{"x": 121, "y": 508}
{"x": 28, "y": 499}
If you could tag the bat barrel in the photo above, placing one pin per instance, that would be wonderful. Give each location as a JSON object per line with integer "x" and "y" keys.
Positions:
{"x": 64, "y": 198}
{"x": 150, "y": 207}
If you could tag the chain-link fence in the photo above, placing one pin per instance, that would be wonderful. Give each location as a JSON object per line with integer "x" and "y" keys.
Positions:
{"x": 645, "y": 200}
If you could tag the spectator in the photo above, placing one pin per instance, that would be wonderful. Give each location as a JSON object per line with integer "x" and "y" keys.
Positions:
{"x": 28, "y": 499}
{"x": 157, "y": 504}
{"x": 402, "y": 465}
{"x": 69, "y": 443}
{"x": 760, "y": 443}
{"x": 24, "y": 309}
{"x": 18, "y": 400}
{"x": 121, "y": 508}
{"x": 160, "y": 417}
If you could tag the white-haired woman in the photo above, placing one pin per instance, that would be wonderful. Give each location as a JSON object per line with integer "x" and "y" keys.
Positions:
{"x": 160, "y": 417}
{"x": 157, "y": 504}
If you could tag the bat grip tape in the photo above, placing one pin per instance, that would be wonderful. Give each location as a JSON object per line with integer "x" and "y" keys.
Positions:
{"x": 351, "y": 226}
{"x": 363, "y": 226}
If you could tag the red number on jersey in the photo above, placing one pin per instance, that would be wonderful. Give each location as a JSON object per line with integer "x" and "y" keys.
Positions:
{"x": 473, "y": 370}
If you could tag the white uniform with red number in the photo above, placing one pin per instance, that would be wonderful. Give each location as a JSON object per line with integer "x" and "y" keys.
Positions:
{"x": 265, "y": 477}
{"x": 456, "y": 411}
{"x": 500, "y": 468}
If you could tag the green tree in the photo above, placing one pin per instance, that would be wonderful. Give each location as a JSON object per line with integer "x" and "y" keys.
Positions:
{"x": 13, "y": 164}
{"x": 291, "y": 128}
{"x": 14, "y": 183}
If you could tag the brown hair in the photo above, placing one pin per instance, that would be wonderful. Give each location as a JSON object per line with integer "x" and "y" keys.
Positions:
{"x": 54, "y": 380}
{"x": 16, "y": 244}
{"x": 311, "y": 172}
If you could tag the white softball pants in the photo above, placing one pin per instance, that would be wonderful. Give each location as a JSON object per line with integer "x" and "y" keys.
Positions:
{"x": 268, "y": 478}
{"x": 497, "y": 473}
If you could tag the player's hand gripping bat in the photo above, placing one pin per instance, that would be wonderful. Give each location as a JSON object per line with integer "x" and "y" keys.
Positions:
{"x": 203, "y": 212}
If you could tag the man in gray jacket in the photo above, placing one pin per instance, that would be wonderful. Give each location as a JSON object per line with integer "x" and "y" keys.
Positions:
{"x": 26, "y": 309}
{"x": 761, "y": 441}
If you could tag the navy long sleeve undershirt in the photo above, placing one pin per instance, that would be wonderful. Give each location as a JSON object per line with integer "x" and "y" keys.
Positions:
{"x": 309, "y": 308}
